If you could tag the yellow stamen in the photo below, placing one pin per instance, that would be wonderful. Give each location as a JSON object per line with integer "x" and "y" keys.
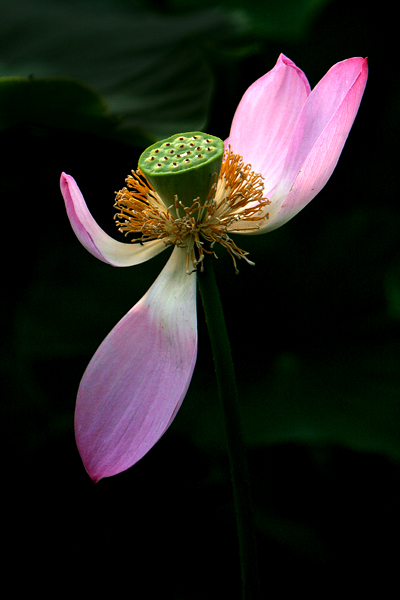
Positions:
{"x": 237, "y": 196}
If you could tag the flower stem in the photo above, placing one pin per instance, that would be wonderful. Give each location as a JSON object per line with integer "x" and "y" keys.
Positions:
{"x": 236, "y": 449}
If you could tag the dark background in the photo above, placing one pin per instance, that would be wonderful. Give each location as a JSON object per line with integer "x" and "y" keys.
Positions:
{"x": 314, "y": 326}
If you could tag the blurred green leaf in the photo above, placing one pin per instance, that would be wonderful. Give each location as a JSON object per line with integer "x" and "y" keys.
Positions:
{"x": 283, "y": 20}
{"x": 149, "y": 67}
{"x": 349, "y": 399}
{"x": 52, "y": 102}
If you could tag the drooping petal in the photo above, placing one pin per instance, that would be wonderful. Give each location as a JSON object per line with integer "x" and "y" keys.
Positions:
{"x": 97, "y": 241}
{"x": 318, "y": 139}
{"x": 263, "y": 124}
{"x": 137, "y": 379}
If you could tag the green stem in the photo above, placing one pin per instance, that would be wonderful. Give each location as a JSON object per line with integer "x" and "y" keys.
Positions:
{"x": 236, "y": 449}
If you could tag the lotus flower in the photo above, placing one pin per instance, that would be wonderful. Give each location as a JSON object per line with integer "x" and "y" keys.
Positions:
{"x": 284, "y": 143}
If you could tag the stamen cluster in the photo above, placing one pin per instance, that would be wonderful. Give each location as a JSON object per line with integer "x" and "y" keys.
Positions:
{"x": 236, "y": 195}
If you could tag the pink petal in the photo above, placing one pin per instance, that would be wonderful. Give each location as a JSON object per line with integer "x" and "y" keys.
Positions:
{"x": 95, "y": 240}
{"x": 263, "y": 124}
{"x": 136, "y": 381}
{"x": 318, "y": 139}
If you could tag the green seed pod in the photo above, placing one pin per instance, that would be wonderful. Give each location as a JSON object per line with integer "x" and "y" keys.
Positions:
{"x": 184, "y": 165}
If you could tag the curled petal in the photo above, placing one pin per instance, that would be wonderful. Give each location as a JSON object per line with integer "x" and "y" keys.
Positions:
{"x": 263, "y": 124}
{"x": 97, "y": 241}
{"x": 136, "y": 381}
{"x": 318, "y": 139}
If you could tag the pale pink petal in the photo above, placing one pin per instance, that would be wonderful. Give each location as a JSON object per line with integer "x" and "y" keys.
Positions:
{"x": 136, "y": 381}
{"x": 97, "y": 241}
{"x": 263, "y": 124}
{"x": 318, "y": 139}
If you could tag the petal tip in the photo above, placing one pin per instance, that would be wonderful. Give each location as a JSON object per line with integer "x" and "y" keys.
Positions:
{"x": 66, "y": 179}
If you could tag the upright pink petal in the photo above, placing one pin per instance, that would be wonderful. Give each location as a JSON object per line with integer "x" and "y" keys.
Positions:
{"x": 318, "y": 139}
{"x": 263, "y": 124}
{"x": 136, "y": 381}
{"x": 97, "y": 241}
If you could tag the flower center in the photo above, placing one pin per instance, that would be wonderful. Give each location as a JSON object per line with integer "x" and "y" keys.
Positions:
{"x": 181, "y": 165}
{"x": 233, "y": 202}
